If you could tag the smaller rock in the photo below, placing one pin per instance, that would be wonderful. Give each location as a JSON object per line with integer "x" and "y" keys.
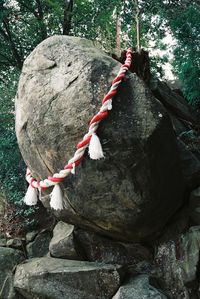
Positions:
{"x": 16, "y": 243}
{"x": 40, "y": 246}
{"x": 195, "y": 205}
{"x": 30, "y": 236}
{"x": 101, "y": 249}
{"x": 138, "y": 288}
{"x": 63, "y": 243}
{"x": 54, "y": 278}
{"x": 3, "y": 242}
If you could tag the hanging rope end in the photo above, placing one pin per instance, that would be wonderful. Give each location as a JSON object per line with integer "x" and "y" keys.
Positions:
{"x": 56, "y": 201}
{"x": 31, "y": 196}
{"x": 95, "y": 148}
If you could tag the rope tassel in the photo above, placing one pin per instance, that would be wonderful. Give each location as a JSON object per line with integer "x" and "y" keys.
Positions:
{"x": 31, "y": 196}
{"x": 56, "y": 201}
{"x": 95, "y": 148}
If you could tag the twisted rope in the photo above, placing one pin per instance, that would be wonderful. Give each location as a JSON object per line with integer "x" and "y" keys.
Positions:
{"x": 93, "y": 126}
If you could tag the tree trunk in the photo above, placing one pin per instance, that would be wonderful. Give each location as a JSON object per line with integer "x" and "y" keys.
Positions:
{"x": 67, "y": 16}
{"x": 118, "y": 35}
{"x": 137, "y": 19}
{"x": 40, "y": 17}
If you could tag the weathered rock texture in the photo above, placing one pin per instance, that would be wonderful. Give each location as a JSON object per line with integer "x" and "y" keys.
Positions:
{"x": 138, "y": 288}
{"x": 133, "y": 192}
{"x": 40, "y": 245}
{"x": 98, "y": 248}
{"x": 63, "y": 243}
{"x": 9, "y": 258}
{"x": 57, "y": 278}
{"x": 177, "y": 265}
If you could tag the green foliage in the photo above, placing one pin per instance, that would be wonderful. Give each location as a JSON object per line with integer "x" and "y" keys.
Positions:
{"x": 12, "y": 166}
{"x": 182, "y": 20}
{"x": 186, "y": 29}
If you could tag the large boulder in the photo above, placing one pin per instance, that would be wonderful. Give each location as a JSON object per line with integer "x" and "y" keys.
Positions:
{"x": 57, "y": 278}
{"x": 133, "y": 192}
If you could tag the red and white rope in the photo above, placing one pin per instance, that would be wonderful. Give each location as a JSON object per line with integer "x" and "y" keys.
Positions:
{"x": 93, "y": 126}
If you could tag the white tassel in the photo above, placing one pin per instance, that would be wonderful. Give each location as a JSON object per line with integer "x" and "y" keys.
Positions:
{"x": 95, "y": 148}
{"x": 31, "y": 196}
{"x": 73, "y": 171}
{"x": 56, "y": 201}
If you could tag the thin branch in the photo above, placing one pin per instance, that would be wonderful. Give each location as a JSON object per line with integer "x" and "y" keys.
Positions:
{"x": 19, "y": 61}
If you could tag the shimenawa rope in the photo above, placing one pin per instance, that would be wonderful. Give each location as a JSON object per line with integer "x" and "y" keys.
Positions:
{"x": 90, "y": 139}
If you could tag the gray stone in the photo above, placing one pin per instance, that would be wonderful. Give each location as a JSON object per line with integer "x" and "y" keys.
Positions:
{"x": 63, "y": 244}
{"x": 30, "y": 236}
{"x": 97, "y": 248}
{"x": 9, "y": 258}
{"x": 53, "y": 278}
{"x": 177, "y": 263}
{"x": 133, "y": 192}
{"x": 17, "y": 243}
{"x": 40, "y": 246}
{"x": 138, "y": 288}
{"x": 3, "y": 242}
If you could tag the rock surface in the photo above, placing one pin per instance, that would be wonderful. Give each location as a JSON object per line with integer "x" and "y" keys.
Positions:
{"x": 17, "y": 243}
{"x": 138, "y": 288}
{"x": 63, "y": 243}
{"x": 98, "y": 248}
{"x": 133, "y": 192}
{"x": 30, "y": 236}
{"x": 177, "y": 264}
{"x": 52, "y": 278}
{"x": 40, "y": 245}
{"x": 176, "y": 104}
{"x": 9, "y": 258}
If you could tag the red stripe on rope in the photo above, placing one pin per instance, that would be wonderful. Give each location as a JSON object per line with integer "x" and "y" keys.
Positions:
{"x": 70, "y": 165}
{"x": 54, "y": 179}
{"x": 118, "y": 78}
{"x": 109, "y": 95}
{"x": 99, "y": 116}
{"x": 83, "y": 142}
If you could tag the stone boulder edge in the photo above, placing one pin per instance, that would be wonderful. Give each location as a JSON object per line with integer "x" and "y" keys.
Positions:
{"x": 131, "y": 194}
{"x": 57, "y": 278}
{"x": 9, "y": 258}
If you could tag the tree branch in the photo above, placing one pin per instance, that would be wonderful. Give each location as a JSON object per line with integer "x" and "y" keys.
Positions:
{"x": 137, "y": 19}
{"x": 18, "y": 59}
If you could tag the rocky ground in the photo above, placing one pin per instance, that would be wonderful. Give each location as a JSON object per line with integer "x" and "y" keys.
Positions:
{"x": 130, "y": 228}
